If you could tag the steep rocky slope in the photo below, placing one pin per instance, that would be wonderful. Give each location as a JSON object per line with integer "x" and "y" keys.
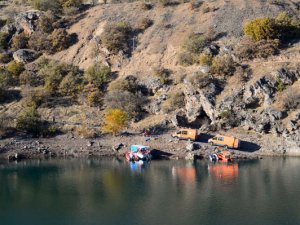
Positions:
{"x": 255, "y": 103}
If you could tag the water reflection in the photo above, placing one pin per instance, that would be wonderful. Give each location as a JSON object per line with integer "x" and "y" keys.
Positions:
{"x": 109, "y": 192}
{"x": 185, "y": 173}
{"x": 224, "y": 172}
{"x": 139, "y": 166}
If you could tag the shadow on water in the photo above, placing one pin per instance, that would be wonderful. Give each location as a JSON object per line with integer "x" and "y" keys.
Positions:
{"x": 158, "y": 154}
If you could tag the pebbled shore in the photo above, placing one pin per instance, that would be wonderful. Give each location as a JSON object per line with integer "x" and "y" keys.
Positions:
{"x": 67, "y": 145}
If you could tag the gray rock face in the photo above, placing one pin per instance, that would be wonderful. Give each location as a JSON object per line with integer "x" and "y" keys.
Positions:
{"x": 287, "y": 77}
{"x": 25, "y": 55}
{"x": 261, "y": 92}
{"x": 27, "y": 21}
{"x": 152, "y": 84}
{"x": 196, "y": 101}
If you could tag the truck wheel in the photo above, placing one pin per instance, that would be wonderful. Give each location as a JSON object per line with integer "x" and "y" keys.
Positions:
{"x": 211, "y": 143}
{"x": 189, "y": 140}
{"x": 226, "y": 147}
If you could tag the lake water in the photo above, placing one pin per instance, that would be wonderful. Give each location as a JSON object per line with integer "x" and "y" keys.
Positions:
{"x": 104, "y": 192}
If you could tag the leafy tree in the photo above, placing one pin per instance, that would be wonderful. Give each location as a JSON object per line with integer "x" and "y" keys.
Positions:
{"x": 98, "y": 75}
{"x": 115, "y": 121}
{"x": 29, "y": 121}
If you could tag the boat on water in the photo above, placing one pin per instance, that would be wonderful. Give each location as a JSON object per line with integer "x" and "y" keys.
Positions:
{"x": 224, "y": 156}
{"x": 138, "y": 152}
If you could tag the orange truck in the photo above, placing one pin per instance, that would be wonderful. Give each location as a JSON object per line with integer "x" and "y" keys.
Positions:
{"x": 225, "y": 141}
{"x": 186, "y": 134}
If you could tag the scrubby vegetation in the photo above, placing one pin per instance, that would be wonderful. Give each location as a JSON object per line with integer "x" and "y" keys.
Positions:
{"x": 29, "y": 121}
{"x": 98, "y": 75}
{"x": 282, "y": 27}
{"x": 61, "y": 78}
{"x": 20, "y": 41}
{"x": 56, "y": 6}
{"x": 193, "y": 49}
{"x": 116, "y": 36}
{"x": 249, "y": 49}
{"x": 3, "y": 40}
{"x": 223, "y": 65}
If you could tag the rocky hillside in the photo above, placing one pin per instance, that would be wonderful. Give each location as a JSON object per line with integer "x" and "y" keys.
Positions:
{"x": 228, "y": 81}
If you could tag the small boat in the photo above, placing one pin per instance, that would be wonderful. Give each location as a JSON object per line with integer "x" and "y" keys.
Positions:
{"x": 138, "y": 152}
{"x": 213, "y": 157}
{"x": 225, "y": 156}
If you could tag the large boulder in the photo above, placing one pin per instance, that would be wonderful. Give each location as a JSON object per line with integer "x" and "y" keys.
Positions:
{"x": 25, "y": 55}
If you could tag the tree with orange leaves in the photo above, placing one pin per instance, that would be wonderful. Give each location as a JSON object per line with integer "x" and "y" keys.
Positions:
{"x": 115, "y": 121}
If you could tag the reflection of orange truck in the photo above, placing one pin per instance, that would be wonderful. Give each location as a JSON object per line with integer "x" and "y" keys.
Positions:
{"x": 225, "y": 141}
{"x": 186, "y": 134}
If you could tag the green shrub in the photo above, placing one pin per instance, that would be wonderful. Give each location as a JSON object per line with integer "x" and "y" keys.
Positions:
{"x": 287, "y": 27}
{"x": 98, "y": 75}
{"x": 196, "y": 43}
{"x": 4, "y": 40}
{"x": 223, "y": 65}
{"x": 36, "y": 98}
{"x": 163, "y": 75}
{"x": 46, "y": 5}
{"x": 71, "y": 3}
{"x": 6, "y": 123}
{"x": 5, "y": 80}
{"x": 206, "y": 58}
{"x": 60, "y": 39}
{"x": 61, "y": 77}
{"x": 40, "y": 42}
{"x": 261, "y": 28}
{"x": 46, "y": 21}
{"x": 71, "y": 84}
{"x": 282, "y": 27}
{"x": 95, "y": 98}
{"x": 177, "y": 100}
{"x": 15, "y": 69}
{"x": 116, "y": 36}
{"x": 4, "y": 58}
{"x": 29, "y": 121}
{"x": 127, "y": 101}
{"x": 199, "y": 79}
{"x": 20, "y": 41}
{"x": 280, "y": 86}
{"x": 124, "y": 85}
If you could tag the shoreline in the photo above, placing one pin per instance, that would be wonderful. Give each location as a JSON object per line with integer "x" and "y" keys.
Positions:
{"x": 67, "y": 145}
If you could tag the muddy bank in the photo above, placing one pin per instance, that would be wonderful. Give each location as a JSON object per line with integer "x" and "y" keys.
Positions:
{"x": 22, "y": 147}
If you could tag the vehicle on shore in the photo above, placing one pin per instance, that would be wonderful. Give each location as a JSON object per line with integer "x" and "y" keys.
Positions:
{"x": 138, "y": 152}
{"x": 225, "y": 141}
{"x": 186, "y": 134}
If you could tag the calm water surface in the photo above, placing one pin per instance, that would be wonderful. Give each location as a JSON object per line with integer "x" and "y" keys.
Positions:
{"x": 87, "y": 192}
